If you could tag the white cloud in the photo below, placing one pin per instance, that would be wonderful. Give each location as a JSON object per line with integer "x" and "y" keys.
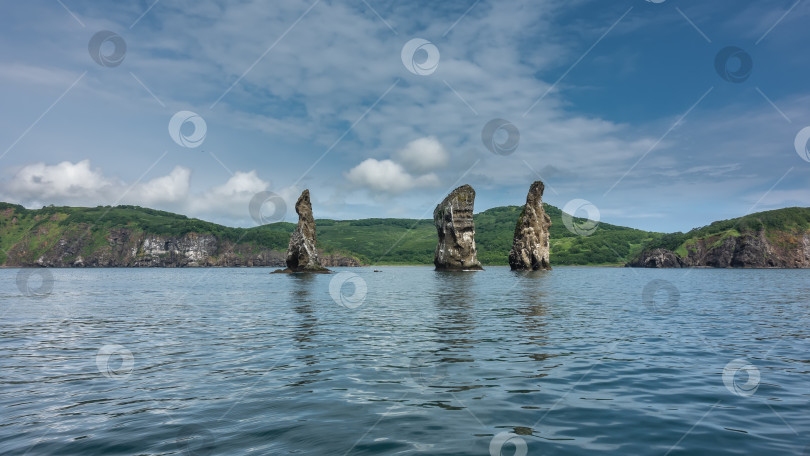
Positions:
{"x": 230, "y": 199}
{"x": 63, "y": 181}
{"x": 387, "y": 176}
{"x": 165, "y": 189}
{"x": 77, "y": 184}
{"x": 239, "y": 184}
{"x": 69, "y": 183}
{"x": 423, "y": 155}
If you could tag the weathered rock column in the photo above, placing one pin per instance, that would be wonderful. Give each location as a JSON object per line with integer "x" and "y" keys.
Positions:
{"x": 530, "y": 247}
{"x": 302, "y": 256}
{"x": 453, "y": 218}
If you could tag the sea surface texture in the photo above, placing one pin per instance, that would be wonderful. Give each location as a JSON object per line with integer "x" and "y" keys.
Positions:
{"x": 404, "y": 361}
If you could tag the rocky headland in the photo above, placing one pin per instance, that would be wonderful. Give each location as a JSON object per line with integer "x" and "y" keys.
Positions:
{"x": 761, "y": 249}
{"x": 50, "y": 239}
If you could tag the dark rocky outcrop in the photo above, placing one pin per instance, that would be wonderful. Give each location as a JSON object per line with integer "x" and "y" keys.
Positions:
{"x": 337, "y": 260}
{"x": 530, "y": 246}
{"x": 657, "y": 258}
{"x": 302, "y": 256}
{"x": 453, "y": 218}
{"x": 774, "y": 249}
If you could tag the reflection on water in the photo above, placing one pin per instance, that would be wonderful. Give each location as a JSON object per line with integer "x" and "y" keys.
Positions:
{"x": 454, "y": 298}
{"x": 234, "y": 361}
{"x": 302, "y": 303}
{"x": 533, "y": 292}
{"x": 305, "y": 332}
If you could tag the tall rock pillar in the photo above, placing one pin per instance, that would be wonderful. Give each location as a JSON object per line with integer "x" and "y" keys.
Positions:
{"x": 453, "y": 218}
{"x": 530, "y": 247}
{"x": 302, "y": 256}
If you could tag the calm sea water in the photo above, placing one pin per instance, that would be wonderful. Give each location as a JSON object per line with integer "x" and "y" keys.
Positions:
{"x": 404, "y": 361}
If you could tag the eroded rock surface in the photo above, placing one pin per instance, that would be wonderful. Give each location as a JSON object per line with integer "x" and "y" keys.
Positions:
{"x": 123, "y": 247}
{"x": 530, "y": 246}
{"x": 773, "y": 249}
{"x": 453, "y": 218}
{"x": 658, "y": 258}
{"x": 302, "y": 256}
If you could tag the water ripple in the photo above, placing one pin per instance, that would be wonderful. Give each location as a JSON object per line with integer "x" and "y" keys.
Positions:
{"x": 571, "y": 361}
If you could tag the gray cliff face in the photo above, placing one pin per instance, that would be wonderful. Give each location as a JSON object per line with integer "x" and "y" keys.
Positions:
{"x": 658, "y": 258}
{"x": 453, "y": 218}
{"x": 337, "y": 260}
{"x": 749, "y": 250}
{"x": 530, "y": 246}
{"x": 302, "y": 256}
{"x": 125, "y": 248}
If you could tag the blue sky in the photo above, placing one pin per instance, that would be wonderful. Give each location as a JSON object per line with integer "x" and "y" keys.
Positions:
{"x": 617, "y": 102}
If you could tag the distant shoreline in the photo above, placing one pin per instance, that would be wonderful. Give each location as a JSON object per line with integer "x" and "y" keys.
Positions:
{"x": 392, "y": 266}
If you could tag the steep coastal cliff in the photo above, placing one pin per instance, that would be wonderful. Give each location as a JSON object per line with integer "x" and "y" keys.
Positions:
{"x": 772, "y": 239}
{"x": 53, "y": 237}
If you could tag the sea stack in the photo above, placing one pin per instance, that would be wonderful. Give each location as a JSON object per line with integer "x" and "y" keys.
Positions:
{"x": 530, "y": 247}
{"x": 453, "y": 218}
{"x": 302, "y": 256}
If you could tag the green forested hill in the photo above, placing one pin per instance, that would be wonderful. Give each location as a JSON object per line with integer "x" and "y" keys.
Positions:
{"x": 407, "y": 241}
{"x": 374, "y": 241}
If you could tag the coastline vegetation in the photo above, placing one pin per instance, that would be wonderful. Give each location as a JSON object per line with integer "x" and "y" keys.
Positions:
{"x": 381, "y": 241}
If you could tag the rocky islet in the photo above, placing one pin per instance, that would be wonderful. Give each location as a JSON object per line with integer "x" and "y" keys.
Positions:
{"x": 530, "y": 246}
{"x": 302, "y": 256}
{"x": 453, "y": 218}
